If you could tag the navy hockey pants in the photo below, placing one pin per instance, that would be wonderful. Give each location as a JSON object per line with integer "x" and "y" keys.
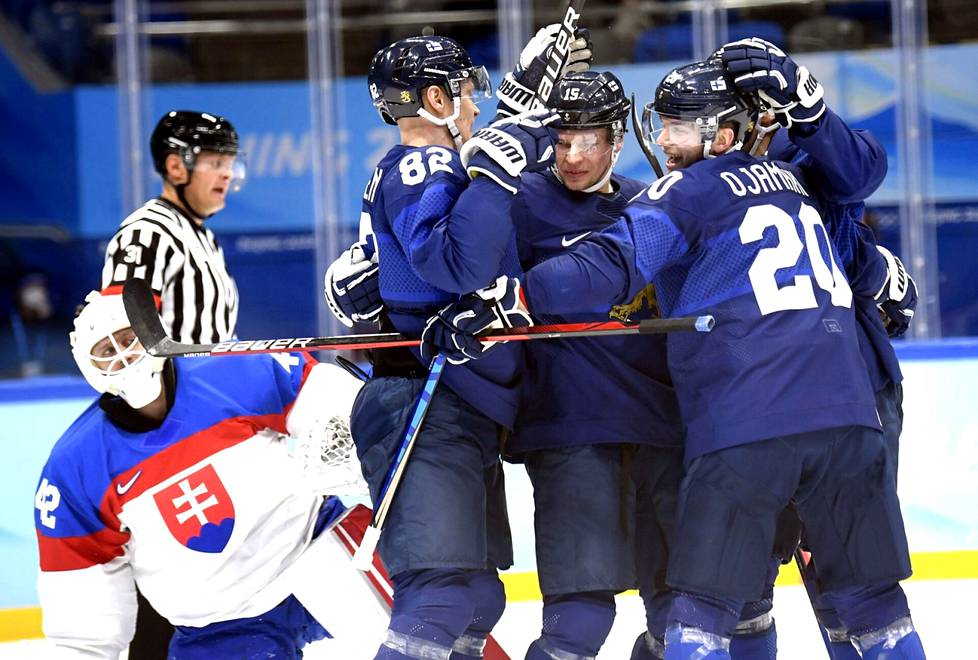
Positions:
{"x": 843, "y": 485}
{"x": 450, "y": 507}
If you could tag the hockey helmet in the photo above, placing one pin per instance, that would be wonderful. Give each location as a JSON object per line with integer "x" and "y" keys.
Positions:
{"x": 400, "y": 72}
{"x": 188, "y": 133}
{"x": 701, "y": 96}
{"x": 110, "y": 360}
{"x": 591, "y": 100}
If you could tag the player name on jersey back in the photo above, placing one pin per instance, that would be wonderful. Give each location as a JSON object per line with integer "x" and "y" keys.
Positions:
{"x": 760, "y": 178}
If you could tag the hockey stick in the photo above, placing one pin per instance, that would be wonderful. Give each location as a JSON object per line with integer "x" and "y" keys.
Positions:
{"x": 141, "y": 310}
{"x": 558, "y": 54}
{"x": 363, "y": 558}
{"x": 646, "y": 148}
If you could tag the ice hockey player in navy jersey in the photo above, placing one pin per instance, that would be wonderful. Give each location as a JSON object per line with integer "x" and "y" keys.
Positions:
{"x": 621, "y": 434}
{"x": 776, "y": 400}
{"x": 424, "y": 230}
{"x": 848, "y": 165}
{"x": 155, "y": 485}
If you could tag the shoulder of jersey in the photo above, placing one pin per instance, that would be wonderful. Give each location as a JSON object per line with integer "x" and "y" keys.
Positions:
{"x": 629, "y": 187}
{"x": 88, "y": 429}
{"x": 155, "y": 210}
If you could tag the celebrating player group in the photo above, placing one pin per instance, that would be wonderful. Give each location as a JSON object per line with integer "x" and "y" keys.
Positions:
{"x": 687, "y": 465}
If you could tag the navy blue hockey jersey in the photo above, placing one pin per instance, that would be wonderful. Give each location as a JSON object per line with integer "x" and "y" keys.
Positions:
{"x": 740, "y": 238}
{"x": 589, "y": 390}
{"x": 435, "y": 243}
{"x": 850, "y": 171}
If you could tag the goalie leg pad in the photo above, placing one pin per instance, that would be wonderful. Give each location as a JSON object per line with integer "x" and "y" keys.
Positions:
{"x": 431, "y": 610}
{"x": 574, "y": 626}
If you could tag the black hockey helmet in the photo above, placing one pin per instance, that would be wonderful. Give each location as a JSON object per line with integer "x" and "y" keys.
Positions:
{"x": 187, "y": 133}
{"x": 703, "y": 93}
{"x": 590, "y": 99}
{"x": 401, "y": 71}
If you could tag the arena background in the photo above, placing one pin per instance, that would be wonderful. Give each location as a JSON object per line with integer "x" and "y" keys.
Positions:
{"x": 290, "y": 75}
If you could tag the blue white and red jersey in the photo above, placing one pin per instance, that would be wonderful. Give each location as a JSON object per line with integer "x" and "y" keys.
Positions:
{"x": 205, "y": 513}
{"x": 436, "y": 240}
{"x": 741, "y": 238}
{"x": 589, "y": 390}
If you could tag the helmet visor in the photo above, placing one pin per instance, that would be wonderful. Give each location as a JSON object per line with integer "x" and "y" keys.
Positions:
{"x": 583, "y": 143}
{"x": 481, "y": 83}
{"x": 232, "y": 164}
{"x": 662, "y": 129}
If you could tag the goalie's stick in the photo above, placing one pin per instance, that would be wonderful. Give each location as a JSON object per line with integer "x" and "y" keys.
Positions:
{"x": 141, "y": 310}
{"x": 642, "y": 142}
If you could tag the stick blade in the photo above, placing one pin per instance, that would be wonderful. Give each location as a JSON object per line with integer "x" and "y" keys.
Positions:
{"x": 137, "y": 297}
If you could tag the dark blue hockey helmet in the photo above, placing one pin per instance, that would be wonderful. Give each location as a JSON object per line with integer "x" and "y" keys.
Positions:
{"x": 401, "y": 71}
{"x": 589, "y": 99}
{"x": 704, "y": 95}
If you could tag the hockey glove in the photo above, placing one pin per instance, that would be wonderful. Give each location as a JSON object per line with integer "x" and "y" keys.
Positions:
{"x": 454, "y": 329}
{"x": 515, "y": 92}
{"x": 897, "y": 298}
{"x": 508, "y": 147}
{"x": 759, "y": 67}
{"x": 352, "y": 285}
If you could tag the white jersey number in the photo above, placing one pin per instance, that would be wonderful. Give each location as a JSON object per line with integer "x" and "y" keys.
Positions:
{"x": 413, "y": 169}
{"x": 46, "y": 500}
{"x": 800, "y": 294}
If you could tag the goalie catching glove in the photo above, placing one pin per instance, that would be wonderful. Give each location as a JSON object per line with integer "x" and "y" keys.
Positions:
{"x": 897, "y": 298}
{"x": 515, "y": 92}
{"x": 454, "y": 330}
{"x": 352, "y": 285}
{"x": 759, "y": 67}
{"x": 508, "y": 147}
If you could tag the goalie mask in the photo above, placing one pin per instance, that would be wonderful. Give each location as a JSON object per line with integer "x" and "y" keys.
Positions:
{"x": 108, "y": 354}
{"x": 401, "y": 72}
{"x": 693, "y": 102}
{"x": 590, "y": 103}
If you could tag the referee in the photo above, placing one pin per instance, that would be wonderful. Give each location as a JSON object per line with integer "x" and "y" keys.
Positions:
{"x": 166, "y": 243}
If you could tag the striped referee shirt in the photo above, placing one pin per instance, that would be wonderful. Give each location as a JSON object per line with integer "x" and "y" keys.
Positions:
{"x": 183, "y": 264}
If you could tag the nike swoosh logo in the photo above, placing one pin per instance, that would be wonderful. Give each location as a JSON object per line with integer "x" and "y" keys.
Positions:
{"x": 567, "y": 242}
{"x": 122, "y": 489}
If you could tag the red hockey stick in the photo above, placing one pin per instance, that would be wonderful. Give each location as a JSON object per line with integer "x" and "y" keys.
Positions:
{"x": 141, "y": 310}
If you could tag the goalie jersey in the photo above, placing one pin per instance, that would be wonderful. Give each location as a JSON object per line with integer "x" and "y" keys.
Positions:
{"x": 436, "y": 242}
{"x": 589, "y": 390}
{"x": 740, "y": 238}
{"x": 205, "y": 513}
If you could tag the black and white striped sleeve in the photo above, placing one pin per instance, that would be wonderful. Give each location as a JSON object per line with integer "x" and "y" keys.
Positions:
{"x": 145, "y": 249}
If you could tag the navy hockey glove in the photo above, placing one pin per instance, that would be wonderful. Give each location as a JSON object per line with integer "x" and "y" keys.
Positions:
{"x": 352, "y": 285}
{"x": 759, "y": 67}
{"x": 508, "y": 147}
{"x": 515, "y": 92}
{"x": 454, "y": 329}
{"x": 897, "y": 298}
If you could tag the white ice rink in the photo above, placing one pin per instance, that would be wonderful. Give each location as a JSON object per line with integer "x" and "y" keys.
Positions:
{"x": 941, "y": 611}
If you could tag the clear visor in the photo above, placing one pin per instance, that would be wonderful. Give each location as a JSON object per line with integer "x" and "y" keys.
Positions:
{"x": 233, "y": 165}
{"x": 113, "y": 353}
{"x": 583, "y": 143}
{"x": 665, "y": 130}
{"x": 481, "y": 85}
